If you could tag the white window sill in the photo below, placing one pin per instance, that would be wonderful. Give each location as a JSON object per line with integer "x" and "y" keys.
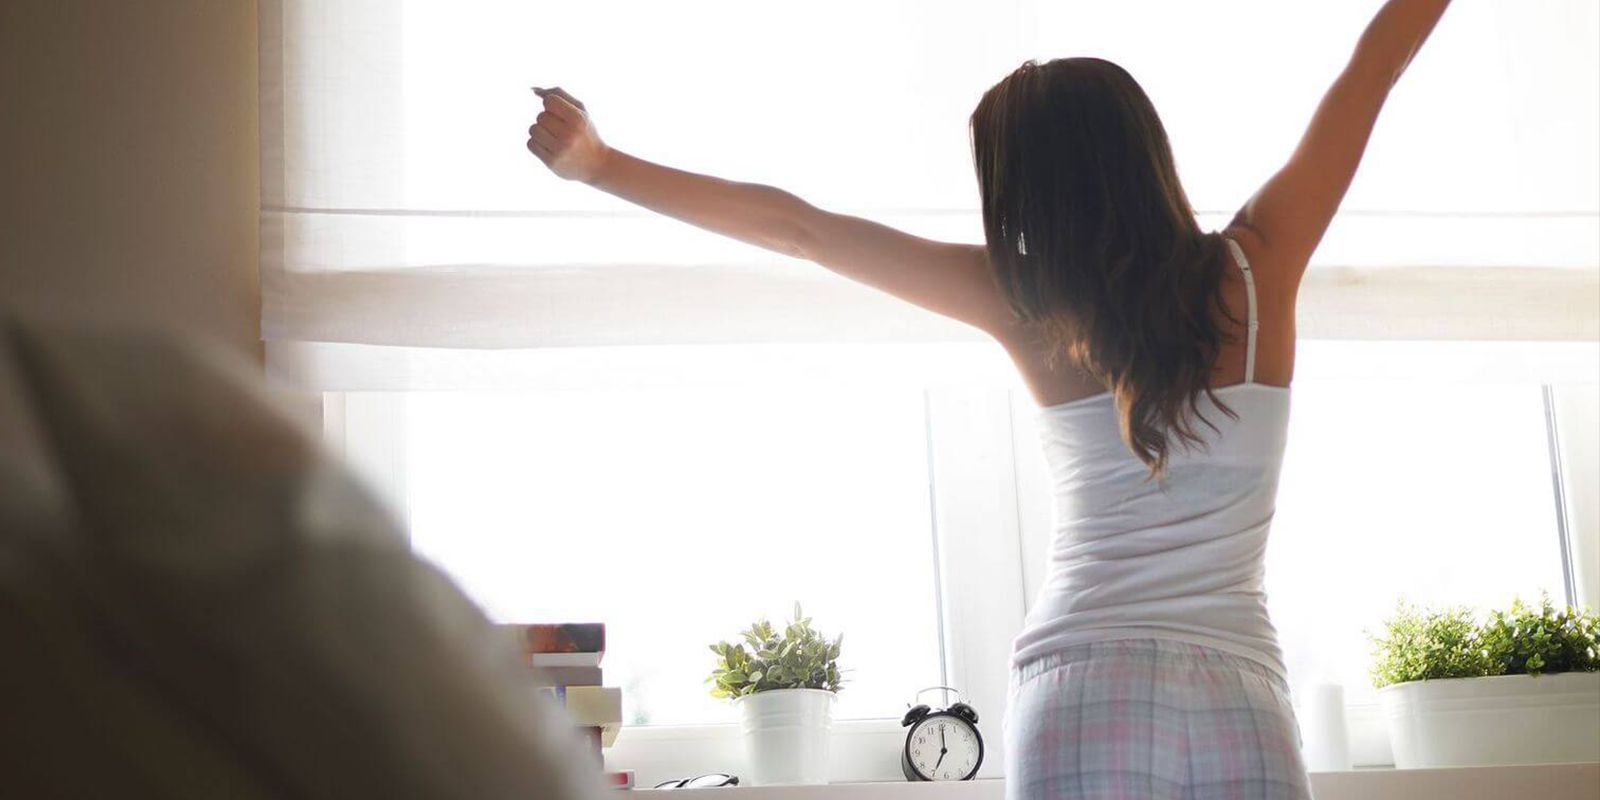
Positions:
{"x": 1546, "y": 782}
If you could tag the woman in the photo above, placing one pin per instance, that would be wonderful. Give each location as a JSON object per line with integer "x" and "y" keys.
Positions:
{"x": 1161, "y": 356}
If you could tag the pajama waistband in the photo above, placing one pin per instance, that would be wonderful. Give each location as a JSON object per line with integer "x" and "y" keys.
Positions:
{"x": 1166, "y": 651}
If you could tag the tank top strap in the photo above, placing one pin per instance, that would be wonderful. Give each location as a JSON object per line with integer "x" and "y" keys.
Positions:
{"x": 1250, "y": 302}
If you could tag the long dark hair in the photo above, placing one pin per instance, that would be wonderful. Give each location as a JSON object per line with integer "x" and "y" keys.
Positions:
{"x": 1093, "y": 241}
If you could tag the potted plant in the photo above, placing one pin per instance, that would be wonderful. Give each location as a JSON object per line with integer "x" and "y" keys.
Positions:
{"x": 784, "y": 684}
{"x": 1522, "y": 687}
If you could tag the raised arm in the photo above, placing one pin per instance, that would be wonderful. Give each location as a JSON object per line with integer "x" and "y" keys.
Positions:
{"x": 1289, "y": 214}
{"x": 949, "y": 279}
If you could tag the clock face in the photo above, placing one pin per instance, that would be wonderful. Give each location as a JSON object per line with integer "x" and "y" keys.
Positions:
{"x": 943, "y": 748}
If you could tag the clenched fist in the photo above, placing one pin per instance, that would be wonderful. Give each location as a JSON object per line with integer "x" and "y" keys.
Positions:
{"x": 564, "y": 139}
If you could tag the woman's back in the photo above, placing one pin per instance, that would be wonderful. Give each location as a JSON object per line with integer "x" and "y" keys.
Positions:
{"x": 1178, "y": 557}
{"x": 1148, "y": 665}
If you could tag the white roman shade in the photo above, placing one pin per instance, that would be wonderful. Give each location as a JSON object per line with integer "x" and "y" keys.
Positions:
{"x": 400, "y": 210}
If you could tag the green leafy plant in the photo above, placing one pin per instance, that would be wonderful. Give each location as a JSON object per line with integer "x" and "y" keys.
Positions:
{"x": 1424, "y": 645}
{"x": 1420, "y": 645}
{"x": 1528, "y": 640}
{"x": 799, "y": 658}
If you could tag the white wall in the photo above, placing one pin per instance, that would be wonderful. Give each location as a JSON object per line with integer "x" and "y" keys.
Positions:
{"x": 128, "y": 163}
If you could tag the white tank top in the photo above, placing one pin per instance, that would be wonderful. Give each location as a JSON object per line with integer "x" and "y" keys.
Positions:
{"x": 1178, "y": 558}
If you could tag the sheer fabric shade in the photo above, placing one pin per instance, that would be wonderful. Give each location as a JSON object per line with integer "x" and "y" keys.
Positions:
{"x": 399, "y": 207}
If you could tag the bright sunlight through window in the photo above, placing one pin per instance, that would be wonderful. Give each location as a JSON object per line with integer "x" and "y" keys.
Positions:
{"x": 675, "y": 515}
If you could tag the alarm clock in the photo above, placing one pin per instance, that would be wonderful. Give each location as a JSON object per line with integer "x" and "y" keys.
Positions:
{"x": 942, "y": 744}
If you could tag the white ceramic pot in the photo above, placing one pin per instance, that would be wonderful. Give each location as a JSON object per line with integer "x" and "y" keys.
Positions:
{"x": 786, "y": 735}
{"x": 1506, "y": 719}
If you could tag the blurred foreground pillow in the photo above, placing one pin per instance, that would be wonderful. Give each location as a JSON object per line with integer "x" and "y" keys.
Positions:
{"x": 221, "y": 611}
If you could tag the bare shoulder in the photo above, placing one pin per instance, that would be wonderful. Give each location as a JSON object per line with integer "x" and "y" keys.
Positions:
{"x": 1276, "y": 274}
{"x": 1277, "y": 284}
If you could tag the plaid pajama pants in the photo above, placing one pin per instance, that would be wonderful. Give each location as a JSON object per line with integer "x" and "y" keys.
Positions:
{"x": 1147, "y": 718}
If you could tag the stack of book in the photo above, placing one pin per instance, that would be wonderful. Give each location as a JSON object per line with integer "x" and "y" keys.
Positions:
{"x": 565, "y": 661}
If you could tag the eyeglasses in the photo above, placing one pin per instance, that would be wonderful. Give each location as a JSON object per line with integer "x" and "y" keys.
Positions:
{"x": 701, "y": 781}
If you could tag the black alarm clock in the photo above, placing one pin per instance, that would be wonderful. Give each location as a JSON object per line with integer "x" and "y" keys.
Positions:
{"x": 942, "y": 744}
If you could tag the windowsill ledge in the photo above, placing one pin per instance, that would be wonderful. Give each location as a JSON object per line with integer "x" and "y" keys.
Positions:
{"x": 1544, "y": 781}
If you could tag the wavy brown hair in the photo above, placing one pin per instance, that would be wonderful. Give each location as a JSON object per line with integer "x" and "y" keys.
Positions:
{"x": 1093, "y": 241}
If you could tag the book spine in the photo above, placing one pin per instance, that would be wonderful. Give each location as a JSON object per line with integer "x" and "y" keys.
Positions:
{"x": 589, "y": 705}
{"x": 568, "y": 676}
{"x": 579, "y": 637}
{"x": 564, "y": 659}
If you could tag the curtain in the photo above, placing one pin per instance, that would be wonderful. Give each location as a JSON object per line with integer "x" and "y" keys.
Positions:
{"x": 400, "y": 210}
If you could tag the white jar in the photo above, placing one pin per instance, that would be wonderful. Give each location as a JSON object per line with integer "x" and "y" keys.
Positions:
{"x": 1323, "y": 729}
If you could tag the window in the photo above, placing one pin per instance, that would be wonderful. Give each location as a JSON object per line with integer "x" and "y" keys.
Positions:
{"x": 677, "y": 515}
{"x": 898, "y": 492}
{"x": 676, "y": 493}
